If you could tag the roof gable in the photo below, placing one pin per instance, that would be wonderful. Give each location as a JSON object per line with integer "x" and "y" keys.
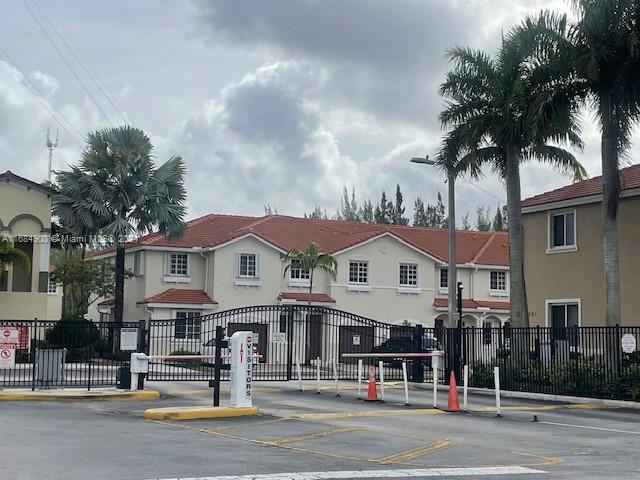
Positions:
{"x": 629, "y": 179}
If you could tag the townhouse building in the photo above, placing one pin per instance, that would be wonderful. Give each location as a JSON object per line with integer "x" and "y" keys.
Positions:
{"x": 564, "y": 256}
{"x": 395, "y": 274}
{"x": 26, "y": 293}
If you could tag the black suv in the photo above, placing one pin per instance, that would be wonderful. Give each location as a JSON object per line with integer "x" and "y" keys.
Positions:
{"x": 405, "y": 345}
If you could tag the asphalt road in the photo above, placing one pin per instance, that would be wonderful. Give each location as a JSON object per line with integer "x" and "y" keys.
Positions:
{"x": 305, "y": 432}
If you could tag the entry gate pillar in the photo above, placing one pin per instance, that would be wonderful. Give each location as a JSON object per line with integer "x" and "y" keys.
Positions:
{"x": 241, "y": 369}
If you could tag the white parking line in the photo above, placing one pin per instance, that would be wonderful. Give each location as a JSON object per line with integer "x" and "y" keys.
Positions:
{"x": 404, "y": 473}
{"x": 592, "y": 428}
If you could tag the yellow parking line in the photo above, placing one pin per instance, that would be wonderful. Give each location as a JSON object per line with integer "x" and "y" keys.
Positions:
{"x": 414, "y": 453}
{"x": 533, "y": 408}
{"x": 310, "y": 436}
{"x": 374, "y": 413}
{"x": 545, "y": 460}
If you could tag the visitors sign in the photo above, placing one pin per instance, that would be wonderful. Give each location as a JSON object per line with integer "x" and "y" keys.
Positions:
{"x": 241, "y": 368}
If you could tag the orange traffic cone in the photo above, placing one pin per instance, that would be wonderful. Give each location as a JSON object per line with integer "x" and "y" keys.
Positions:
{"x": 453, "y": 405}
{"x": 372, "y": 391}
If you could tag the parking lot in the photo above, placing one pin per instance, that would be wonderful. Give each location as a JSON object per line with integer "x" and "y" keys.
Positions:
{"x": 299, "y": 432}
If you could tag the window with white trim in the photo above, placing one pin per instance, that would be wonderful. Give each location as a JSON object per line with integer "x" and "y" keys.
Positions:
{"x": 247, "y": 265}
{"x": 298, "y": 273}
{"x": 444, "y": 278}
{"x": 136, "y": 263}
{"x": 358, "y": 271}
{"x": 563, "y": 316}
{"x": 408, "y": 275}
{"x": 562, "y": 230}
{"x": 178, "y": 264}
{"x": 52, "y": 286}
{"x": 498, "y": 281}
{"x": 187, "y": 325}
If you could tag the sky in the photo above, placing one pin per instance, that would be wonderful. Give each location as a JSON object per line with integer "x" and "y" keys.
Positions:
{"x": 269, "y": 102}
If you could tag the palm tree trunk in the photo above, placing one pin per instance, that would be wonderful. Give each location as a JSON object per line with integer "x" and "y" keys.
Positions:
{"x": 517, "y": 296}
{"x": 452, "y": 279}
{"x": 610, "y": 201}
{"x": 118, "y": 304}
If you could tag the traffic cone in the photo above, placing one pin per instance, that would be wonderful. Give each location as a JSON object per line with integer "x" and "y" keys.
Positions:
{"x": 372, "y": 391}
{"x": 453, "y": 405}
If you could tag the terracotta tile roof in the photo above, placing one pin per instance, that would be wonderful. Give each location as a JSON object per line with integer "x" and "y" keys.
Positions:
{"x": 9, "y": 176}
{"x": 471, "y": 303}
{"x": 180, "y": 295}
{"x": 306, "y": 297}
{"x": 288, "y": 233}
{"x": 629, "y": 178}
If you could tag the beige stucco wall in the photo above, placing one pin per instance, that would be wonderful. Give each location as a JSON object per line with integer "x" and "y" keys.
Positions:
{"x": 26, "y": 211}
{"x": 580, "y": 274}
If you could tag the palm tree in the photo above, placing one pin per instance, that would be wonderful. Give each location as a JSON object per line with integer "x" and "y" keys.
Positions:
{"x": 606, "y": 42}
{"x": 117, "y": 191}
{"x": 503, "y": 111}
{"x": 11, "y": 255}
{"x": 310, "y": 259}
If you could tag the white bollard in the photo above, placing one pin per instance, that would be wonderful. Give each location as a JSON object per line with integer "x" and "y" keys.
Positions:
{"x": 359, "y": 378}
{"x": 381, "y": 368}
{"x": 335, "y": 374}
{"x": 406, "y": 382}
{"x": 318, "y": 374}
{"x": 496, "y": 379}
{"x": 435, "y": 385}
{"x": 465, "y": 379}
{"x": 299, "y": 371}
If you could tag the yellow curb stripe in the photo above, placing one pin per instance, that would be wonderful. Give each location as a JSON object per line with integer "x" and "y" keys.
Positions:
{"x": 375, "y": 413}
{"x": 545, "y": 460}
{"x": 533, "y": 408}
{"x": 194, "y": 413}
{"x": 414, "y": 453}
{"x": 311, "y": 436}
{"x": 39, "y": 396}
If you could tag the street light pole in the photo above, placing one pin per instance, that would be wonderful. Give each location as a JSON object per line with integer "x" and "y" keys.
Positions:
{"x": 452, "y": 277}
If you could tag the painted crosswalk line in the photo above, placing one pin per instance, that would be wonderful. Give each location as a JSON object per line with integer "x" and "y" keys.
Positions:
{"x": 356, "y": 474}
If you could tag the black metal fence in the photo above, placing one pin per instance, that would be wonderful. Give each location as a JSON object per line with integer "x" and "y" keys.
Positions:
{"x": 580, "y": 361}
{"x": 288, "y": 339}
{"x": 64, "y": 353}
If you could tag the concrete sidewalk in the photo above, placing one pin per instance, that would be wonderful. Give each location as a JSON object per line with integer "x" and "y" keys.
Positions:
{"x": 78, "y": 394}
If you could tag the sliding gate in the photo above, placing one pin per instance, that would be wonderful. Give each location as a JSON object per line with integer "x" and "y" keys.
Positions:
{"x": 285, "y": 336}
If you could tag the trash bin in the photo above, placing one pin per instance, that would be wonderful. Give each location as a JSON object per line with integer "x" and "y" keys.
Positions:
{"x": 123, "y": 376}
{"x": 50, "y": 366}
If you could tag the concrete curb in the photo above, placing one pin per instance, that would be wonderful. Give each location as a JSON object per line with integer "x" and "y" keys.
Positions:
{"x": 194, "y": 413}
{"x": 538, "y": 396}
{"x": 80, "y": 395}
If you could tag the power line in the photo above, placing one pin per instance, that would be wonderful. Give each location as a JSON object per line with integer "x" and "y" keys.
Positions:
{"x": 483, "y": 190}
{"x": 64, "y": 59}
{"x": 84, "y": 61}
{"x": 58, "y": 117}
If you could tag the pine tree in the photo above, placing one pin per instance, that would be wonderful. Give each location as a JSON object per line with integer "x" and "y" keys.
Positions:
{"x": 498, "y": 221}
{"x": 349, "y": 206}
{"x": 397, "y": 214}
{"x": 465, "y": 222}
{"x": 384, "y": 210}
{"x": 317, "y": 213}
{"x": 483, "y": 220}
{"x": 366, "y": 212}
{"x": 419, "y": 214}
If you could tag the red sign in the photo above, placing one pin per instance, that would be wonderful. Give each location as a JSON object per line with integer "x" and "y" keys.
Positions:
{"x": 14, "y": 336}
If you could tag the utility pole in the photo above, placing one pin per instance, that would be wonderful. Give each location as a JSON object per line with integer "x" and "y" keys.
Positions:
{"x": 51, "y": 146}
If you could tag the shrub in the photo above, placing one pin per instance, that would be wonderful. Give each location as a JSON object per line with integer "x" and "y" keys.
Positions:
{"x": 78, "y": 336}
{"x": 187, "y": 362}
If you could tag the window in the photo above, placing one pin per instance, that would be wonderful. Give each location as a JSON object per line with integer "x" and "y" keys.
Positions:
{"x": 562, "y": 230}
{"x": 247, "y": 266}
{"x": 52, "y": 286}
{"x": 563, "y": 316}
{"x": 136, "y": 263}
{"x": 444, "y": 278}
{"x": 408, "y": 275}
{"x": 358, "y": 271}
{"x": 498, "y": 281}
{"x": 187, "y": 325}
{"x": 178, "y": 264}
{"x": 297, "y": 273}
